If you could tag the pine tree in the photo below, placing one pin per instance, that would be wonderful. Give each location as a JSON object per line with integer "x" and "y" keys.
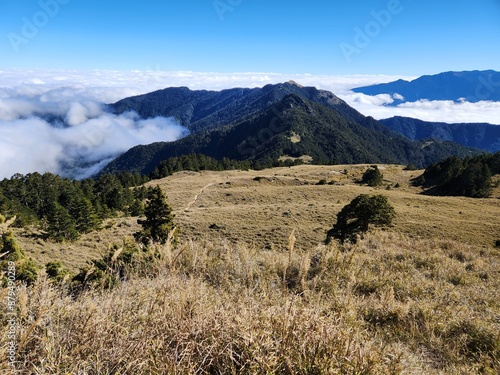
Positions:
{"x": 372, "y": 176}
{"x": 159, "y": 219}
{"x": 357, "y": 216}
{"x": 61, "y": 225}
{"x": 84, "y": 214}
{"x": 475, "y": 181}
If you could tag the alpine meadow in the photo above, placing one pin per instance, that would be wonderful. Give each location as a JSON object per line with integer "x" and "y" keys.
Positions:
{"x": 246, "y": 187}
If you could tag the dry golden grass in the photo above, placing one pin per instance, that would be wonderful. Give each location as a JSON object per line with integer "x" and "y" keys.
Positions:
{"x": 252, "y": 289}
{"x": 263, "y": 213}
{"x": 388, "y": 305}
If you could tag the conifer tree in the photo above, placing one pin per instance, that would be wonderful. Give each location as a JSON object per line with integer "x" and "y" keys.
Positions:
{"x": 61, "y": 225}
{"x": 84, "y": 214}
{"x": 159, "y": 219}
{"x": 357, "y": 216}
{"x": 372, "y": 176}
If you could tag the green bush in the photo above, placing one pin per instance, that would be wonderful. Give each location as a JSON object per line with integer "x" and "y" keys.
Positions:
{"x": 372, "y": 176}
{"x": 356, "y": 217}
{"x": 55, "y": 271}
{"x": 410, "y": 167}
{"x": 25, "y": 268}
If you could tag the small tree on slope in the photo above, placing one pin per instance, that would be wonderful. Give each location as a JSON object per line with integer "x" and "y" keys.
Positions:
{"x": 159, "y": 219}
{"x": 357, "y": 216}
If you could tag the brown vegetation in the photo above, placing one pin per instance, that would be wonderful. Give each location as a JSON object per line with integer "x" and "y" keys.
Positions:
{"x": 251, "y": 289}
{"x": 389, "y": 304}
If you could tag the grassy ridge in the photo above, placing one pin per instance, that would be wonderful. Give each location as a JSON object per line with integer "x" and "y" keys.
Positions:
{"x": 388, "y": 305}
{"x": 251, "y": 289}
{"x": 261, "y": 208}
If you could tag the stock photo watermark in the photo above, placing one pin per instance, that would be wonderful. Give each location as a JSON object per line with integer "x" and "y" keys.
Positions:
{"x": 485, "y": 88}
{"x": 223, "y": 6}
{"x": 363, "y": 36}
{"x": 251, "y": 144}
{"x": 31, "y": 26}
{"x": 11, "y": 314}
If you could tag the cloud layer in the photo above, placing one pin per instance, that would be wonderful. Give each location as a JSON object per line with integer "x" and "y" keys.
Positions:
{"x": 57, "y": 121}
{"x": 69, "y": 130}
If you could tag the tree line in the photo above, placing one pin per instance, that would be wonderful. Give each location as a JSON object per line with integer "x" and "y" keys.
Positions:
{"x": 66, "y": 208}
{"x": 470, "y": 177}
{"x": 201, "y": 162}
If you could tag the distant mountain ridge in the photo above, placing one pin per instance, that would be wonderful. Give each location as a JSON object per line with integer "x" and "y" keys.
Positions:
{"x": 292, "y": 127}
{"x": 478, "y": 135}
{"x": 202, "y": 109}
{"x": 473, "y": 86}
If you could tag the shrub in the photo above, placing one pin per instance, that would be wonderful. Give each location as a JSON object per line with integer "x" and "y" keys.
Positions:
{"x": 322, "y": 182}
{"x": 372, "y": 176}
{"x": 410, "y": 167}
{"x": 26, "y": 268}
{"x": 356, "y": 217}
{"x": 56, "y": 271}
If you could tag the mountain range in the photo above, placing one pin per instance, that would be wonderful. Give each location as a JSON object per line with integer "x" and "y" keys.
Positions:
{"x": 479, "y": 135}
{"x": 472, "y": 86}
{"x": 276, "y": 122}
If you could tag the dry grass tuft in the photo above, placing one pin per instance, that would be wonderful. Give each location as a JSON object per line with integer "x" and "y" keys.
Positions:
{"x": 251, "y": 289}
{"x": 387, "y": 305}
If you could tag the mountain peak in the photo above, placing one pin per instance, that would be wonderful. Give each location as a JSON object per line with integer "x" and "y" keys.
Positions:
{"x": 292, "y": 82}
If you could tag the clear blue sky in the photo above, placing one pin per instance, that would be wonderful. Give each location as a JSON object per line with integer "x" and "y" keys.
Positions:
{"x": 419, "y": 37}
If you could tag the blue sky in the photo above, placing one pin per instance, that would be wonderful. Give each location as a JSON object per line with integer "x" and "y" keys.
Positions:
{"x": 397, "y": 37}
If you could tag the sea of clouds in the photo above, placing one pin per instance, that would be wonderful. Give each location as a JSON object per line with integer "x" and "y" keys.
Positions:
{"x": 58, "y": 121}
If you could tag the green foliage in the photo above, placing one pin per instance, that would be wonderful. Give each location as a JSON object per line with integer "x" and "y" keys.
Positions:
{"x": 116, "y": 265}
{"x": 201, "y": 162}
{"x": 68, "y": 208}
{"x": 196, "y": 162}
{"x": 159, "y": 219}
{"x": 25, "y": 268}
{"x": 372, "y": 176}
{"x": 322, "y": 182}
{"x": 61, "y": 225}
{"x": 470, "y": 177}
{"x": 357, "y": 216}
{"x": 410, "y": 167}
{"x": 55, "y": 271}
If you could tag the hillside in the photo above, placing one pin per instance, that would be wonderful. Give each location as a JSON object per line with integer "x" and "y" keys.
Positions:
{"x": 251, "y": 288}
{"x": 292, "y": 128}
{"x": 263, "y": 207}
{"x": 473, "y": 86}
{"x": 482, "y": 136}
{"x": 201, "y": 109}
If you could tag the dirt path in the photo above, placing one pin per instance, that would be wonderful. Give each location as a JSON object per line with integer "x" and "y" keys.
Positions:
{"x": 197, "y": 196}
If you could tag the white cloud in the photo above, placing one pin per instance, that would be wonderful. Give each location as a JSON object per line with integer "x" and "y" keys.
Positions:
{"x": 436, "y": 110}
{"x": 68, "y": 130}
{"x": 54, "y": 119}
